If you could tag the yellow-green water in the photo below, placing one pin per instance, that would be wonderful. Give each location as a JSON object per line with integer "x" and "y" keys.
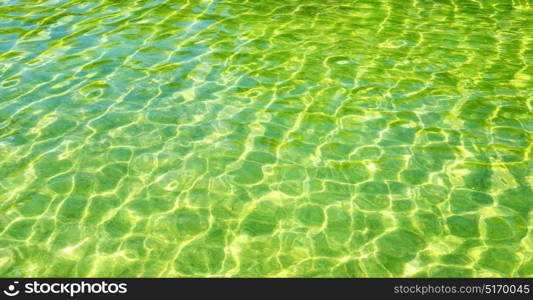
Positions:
{"x": 266, "y": 138}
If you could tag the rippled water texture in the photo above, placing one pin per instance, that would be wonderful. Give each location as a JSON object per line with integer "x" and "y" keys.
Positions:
{"x": 266, "y": 138}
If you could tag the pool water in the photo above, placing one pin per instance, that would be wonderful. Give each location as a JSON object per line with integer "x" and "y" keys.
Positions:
{"x": 266, "y": 138}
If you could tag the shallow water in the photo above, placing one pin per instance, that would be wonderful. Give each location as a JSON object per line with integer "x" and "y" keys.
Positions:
{"x": 266, "y": 138}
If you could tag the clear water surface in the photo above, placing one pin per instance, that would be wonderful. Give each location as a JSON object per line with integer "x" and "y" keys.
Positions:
{"x": 266, "y": 138}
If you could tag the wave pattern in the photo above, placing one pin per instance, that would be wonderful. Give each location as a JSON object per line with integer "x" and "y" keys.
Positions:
{"x": 266, "y": 138}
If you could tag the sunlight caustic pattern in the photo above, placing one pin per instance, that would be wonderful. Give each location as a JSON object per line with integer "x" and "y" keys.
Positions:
{"x": 267, "y": 138}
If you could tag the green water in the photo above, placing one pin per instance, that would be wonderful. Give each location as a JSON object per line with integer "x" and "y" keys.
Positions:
{"x": 266, "y": 138}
